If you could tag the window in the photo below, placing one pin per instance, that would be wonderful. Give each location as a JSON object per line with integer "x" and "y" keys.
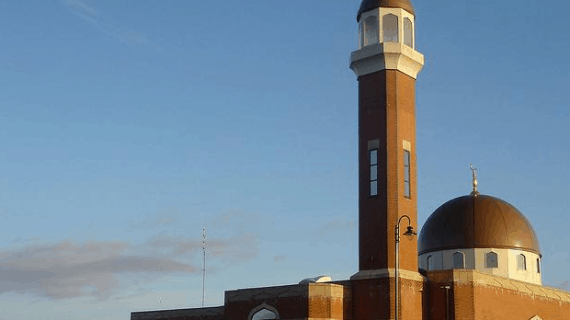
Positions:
{"x": 491, "y": 260}
{"x": 408, "y": 33}
{"x": 361, "y": 34}
{"x": 390, "y": 23}
{"x": 521, "y": 262}
{"x": 537, "y": 265}
{"x": 430, "y": 265}
{"x": 370, "y": 30}
{"x": 373, "y": 155}
{"x": 264, "y": 314}
{"x": 458, "y": 260}
{"x": 407, "y": 187}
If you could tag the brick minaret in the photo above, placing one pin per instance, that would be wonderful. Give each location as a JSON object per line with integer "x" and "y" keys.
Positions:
{"x": 386, "y": 64}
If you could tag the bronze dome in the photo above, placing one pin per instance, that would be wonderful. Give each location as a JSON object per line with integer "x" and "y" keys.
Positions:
{"x": 367, "y": 5}
{"x": 477, "y": 221}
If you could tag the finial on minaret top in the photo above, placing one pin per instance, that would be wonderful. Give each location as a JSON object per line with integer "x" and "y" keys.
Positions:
{"x": 474, "y": 192}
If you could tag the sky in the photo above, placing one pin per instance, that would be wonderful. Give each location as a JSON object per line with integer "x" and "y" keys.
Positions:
{"x": 127, "y": 126}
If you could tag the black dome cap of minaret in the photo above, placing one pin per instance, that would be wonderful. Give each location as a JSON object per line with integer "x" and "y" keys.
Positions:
{"x": 373, "y": 4}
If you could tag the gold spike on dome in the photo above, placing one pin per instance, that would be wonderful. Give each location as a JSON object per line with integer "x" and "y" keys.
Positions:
{"x": 474, "y": 192}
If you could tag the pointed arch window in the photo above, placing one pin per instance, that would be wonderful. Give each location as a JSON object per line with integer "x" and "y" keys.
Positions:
{"x": 521, "y": 262}
{"x": 491, "y": 260}
{"x": 390, "y": 28}
{"x": 408, "y": 33}
{"x": 370, "y": 30}
{"x": 263, "y": 312}
{"x": 458, "y": 260}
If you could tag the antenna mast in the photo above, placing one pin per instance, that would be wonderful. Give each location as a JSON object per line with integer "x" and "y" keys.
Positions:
{"x": 204, "y": 265}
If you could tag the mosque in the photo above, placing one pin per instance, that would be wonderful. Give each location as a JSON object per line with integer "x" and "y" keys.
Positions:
{"x": 476, "y": 257}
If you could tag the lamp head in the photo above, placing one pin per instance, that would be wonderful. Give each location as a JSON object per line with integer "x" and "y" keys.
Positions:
{"x": 410, "y": 231}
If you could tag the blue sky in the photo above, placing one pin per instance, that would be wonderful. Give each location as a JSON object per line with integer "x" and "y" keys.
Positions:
{"x": 126, "y": 126}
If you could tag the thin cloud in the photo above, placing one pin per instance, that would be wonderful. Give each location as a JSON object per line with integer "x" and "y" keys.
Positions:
{"x": 90, "y": 14}
{"x": 334, "y": 226}
{"x": 68, "y": 270}
{"x": 80, "y": 7}
{"x": 280, "y": 258}
{"x": 162, "y": 219}
{"x": 235, "y": 219}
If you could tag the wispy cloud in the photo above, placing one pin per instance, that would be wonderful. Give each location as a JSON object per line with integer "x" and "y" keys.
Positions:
{"x": 90, "y": 14}
{"x": 81, "y": 7}
{"x": 235, "y": 219}
{"x": 69, "y": 270}
{"x": 334, "y": 226}
{"x": 280, "y": 258}
{"x": 162, "y": 219}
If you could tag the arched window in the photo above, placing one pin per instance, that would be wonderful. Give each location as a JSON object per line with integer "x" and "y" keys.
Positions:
{"x": 263, "y": 312}
{"x": 370, "y": 30}
{"x": 390, "y": 28}
{"x": 537, "y": 265}
{"x": 408, "y": 33}
{"x": 458, "y": 260}
{"x": 491, "y": 260}
{"x": 430, "y": 263}
{"x": 521, "y": 262}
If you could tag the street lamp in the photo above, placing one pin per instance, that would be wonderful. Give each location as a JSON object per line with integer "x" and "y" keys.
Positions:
{"x": 409, "y": 232}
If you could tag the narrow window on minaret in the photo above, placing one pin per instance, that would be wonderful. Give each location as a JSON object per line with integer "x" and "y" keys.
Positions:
{"x": 361, "y": 34}
{"x": 390, "y": 30}
{"x": 373, "y": 155}
{"x": 407, "y": 186}
{"x": 408, "y": 33}
{"x": 370, "y": 30}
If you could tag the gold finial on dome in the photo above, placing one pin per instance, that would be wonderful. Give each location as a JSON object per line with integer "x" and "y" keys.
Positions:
{"x": 474, "y": 192}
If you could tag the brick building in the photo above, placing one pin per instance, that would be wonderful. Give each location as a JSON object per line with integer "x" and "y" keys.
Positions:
{"x": 476, "y": 257}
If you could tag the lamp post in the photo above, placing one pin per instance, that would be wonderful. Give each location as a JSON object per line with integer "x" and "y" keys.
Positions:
{"x": 409, "y": 232}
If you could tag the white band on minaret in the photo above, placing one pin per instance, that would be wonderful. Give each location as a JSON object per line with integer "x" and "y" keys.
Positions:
{"x": 389, "y": 55}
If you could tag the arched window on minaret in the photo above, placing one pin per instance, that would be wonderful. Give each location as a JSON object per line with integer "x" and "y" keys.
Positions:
{"x": 390, "y": 28}
{"x": 370, "y": 30}
{"x": 408, "y": 33}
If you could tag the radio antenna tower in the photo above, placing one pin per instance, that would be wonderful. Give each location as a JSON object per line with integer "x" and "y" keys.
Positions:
{"x": 204, "y": 266}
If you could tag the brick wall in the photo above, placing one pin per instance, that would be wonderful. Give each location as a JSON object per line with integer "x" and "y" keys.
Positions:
{"x": 476, "y": 295}
{"x": 386, "y": 114}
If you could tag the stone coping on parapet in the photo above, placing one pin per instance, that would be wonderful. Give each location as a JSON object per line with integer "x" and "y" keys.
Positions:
{"x": 179, "y": 313}
{"x": 328, "y": 289}
{"x": 387, "y": 273}
{"x": 467, "y": 276}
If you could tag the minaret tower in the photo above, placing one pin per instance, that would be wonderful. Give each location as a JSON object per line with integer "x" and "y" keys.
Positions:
{"x": 387, "y": 64}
